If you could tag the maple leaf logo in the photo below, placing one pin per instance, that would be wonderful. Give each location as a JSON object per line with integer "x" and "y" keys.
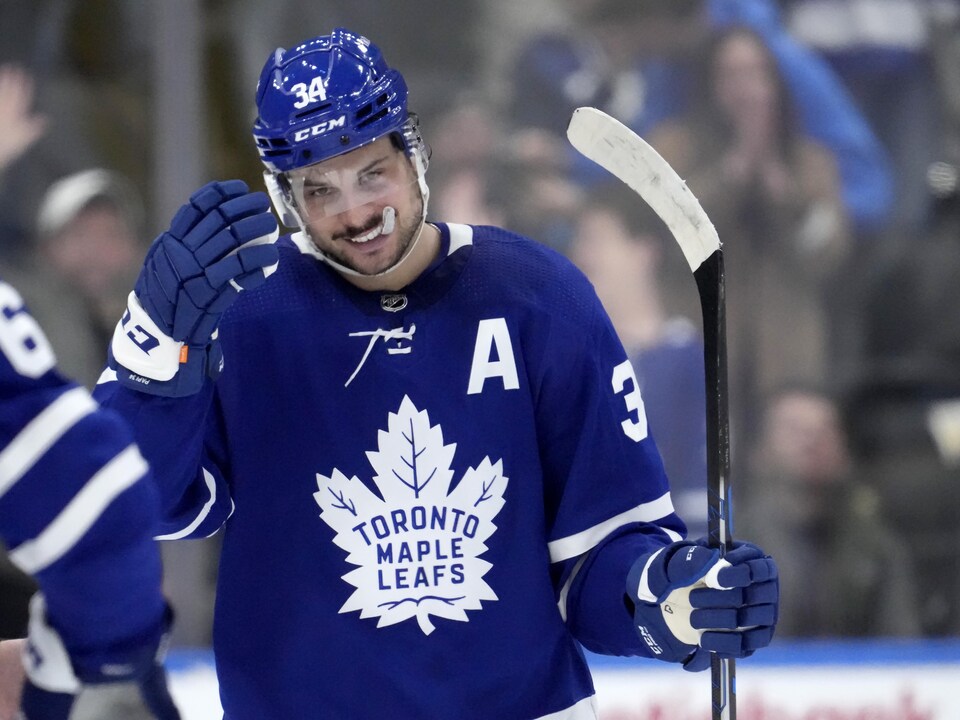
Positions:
{"x": 417, "y": 550}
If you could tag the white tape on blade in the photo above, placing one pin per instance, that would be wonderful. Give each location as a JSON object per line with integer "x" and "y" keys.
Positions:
{"x": 621, "y": 152}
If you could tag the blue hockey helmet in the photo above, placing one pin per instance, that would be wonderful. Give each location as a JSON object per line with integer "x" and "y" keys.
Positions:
{"x": 325, "y": 97}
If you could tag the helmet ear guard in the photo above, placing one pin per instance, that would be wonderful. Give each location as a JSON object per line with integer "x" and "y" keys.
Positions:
{"x": 419, "y": 153}
{"x": 282, "y": 202}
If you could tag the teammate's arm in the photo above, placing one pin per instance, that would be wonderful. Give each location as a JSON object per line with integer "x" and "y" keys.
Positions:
{"x": 77, "y": 511}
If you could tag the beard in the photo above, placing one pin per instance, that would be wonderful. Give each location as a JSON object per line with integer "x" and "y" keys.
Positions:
{"x": 338, "y": 246}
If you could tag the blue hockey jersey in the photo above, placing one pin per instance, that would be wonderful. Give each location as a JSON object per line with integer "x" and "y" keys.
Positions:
{"x": 431, "y": 497}
{"x": 76, "y": 507}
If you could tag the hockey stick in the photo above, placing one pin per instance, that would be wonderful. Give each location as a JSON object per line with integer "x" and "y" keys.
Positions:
{"x": 619, "y": 151}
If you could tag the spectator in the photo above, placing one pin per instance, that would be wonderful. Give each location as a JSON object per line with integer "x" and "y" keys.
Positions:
{"x": 633, "y": 60}
{"x": 622, "y": 56}
{"x": 619, "y": 244}
{"x": 466, "y": 148}
{"x": 826, "y": 112}
{"x": 882, "y": 51}
{"x": 904, "y": 403}
{"x": 20, "y": 127}
{"x": 846, "y": 572}
{"x": 87, "y": 245}
{"x": 774, "y": 196}
{"x": 536, "y": 190}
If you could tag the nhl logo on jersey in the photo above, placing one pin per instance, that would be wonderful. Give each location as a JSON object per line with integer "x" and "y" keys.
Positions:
{"x": 417, "y": 550}
{"x": 393, "y": 302}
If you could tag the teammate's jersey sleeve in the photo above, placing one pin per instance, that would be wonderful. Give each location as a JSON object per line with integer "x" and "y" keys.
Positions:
{"x": 77, "y": 507}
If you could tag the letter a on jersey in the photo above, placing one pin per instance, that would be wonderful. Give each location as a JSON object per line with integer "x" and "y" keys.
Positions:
{"x": 493, "y": 357}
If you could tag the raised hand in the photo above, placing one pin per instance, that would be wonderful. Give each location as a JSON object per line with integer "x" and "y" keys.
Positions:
{"x": 219, "y": 243}
{"x": 20, "y": 127}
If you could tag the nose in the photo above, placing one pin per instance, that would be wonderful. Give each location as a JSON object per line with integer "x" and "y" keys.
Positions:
{"x": 357, "y": 216}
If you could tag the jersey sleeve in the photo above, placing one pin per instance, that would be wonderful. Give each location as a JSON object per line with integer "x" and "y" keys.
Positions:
{"x": 607, "y": 496}
{"x": 175, "y": 436}
{"x": 77, "y": 508}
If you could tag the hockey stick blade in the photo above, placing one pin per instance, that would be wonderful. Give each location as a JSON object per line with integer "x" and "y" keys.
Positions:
{"x": 622, "y": 153}
{"x": 625, "y": 155}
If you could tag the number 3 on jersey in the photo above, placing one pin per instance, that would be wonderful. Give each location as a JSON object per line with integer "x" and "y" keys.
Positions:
{"x": 21, "y": 339}
{"x": 625, "y": 381}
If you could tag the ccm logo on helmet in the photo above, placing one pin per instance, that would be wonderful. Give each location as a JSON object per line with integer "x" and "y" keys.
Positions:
{"x": 320, "y": 129}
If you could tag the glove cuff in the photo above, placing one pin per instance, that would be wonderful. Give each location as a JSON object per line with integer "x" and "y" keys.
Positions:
{"x": 638, "y": 583}
{"x": 200, "y": 364}
{"x": 39, "y": 703}
{"x": 149, "y": 361}
{"x": 141, "y": 347}
{"x": 45, "y": 660}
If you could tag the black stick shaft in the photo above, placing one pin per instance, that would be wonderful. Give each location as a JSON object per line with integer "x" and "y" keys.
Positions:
{"x": 710, "y": 283}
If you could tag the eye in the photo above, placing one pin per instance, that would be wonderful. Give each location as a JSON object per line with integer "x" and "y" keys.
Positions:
{"x": 319, "y": 191}
{"x": 371, "y": 176}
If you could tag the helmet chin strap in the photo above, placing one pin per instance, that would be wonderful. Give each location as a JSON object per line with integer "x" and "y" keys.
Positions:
{"x": 388, "y": 217}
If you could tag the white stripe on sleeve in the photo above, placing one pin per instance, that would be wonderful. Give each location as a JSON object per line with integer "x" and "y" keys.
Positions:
{"x": 573, "y": 545}
{"x": 73, "y": 522}
{"x": 41, "y": 433}
{"x": 107, "y": 376}
{"x": 204, "y": 511}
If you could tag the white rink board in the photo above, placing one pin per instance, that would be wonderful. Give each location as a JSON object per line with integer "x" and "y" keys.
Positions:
{"x": 786, "y": 693}
{"x": 912, "y": 680}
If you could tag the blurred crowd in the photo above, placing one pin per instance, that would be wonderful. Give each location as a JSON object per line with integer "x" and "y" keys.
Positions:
{"x": 821, "y": 136}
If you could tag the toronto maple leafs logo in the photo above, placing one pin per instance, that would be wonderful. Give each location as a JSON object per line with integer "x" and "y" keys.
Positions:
{"x": 417, "y": 550}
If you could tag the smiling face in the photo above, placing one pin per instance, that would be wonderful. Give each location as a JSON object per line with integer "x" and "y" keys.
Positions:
{"x": 342, "y": 202}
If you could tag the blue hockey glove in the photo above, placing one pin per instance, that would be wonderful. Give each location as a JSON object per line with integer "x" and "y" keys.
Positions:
{"x": 219, "y": 243}
{"x": 53, "y": 679}
{"x": 689, "y": 602}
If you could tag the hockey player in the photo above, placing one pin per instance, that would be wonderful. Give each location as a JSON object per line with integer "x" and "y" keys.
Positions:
{"x": 76, "y": 511}
{"x": 424, "y": 439}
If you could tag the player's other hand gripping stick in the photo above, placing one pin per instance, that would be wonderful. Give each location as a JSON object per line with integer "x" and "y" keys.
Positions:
{"x": 689, "y": 602}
